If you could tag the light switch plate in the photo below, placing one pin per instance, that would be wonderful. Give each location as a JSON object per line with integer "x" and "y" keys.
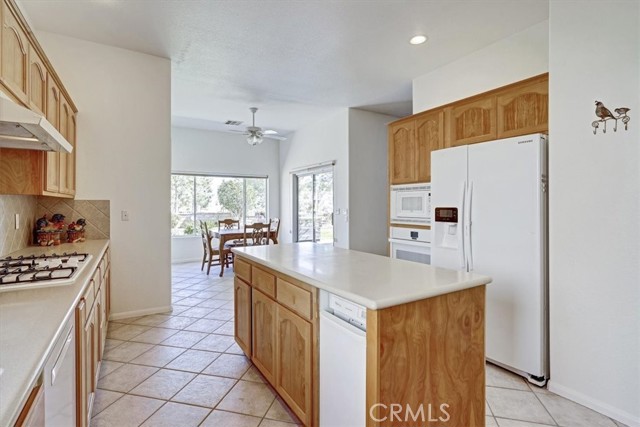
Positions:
{"x": 124, "y": 215}
{"x": 17, "y": 221}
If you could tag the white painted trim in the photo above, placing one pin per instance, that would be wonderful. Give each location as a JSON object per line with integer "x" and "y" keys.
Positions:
{"x": 185, "y": 260}
{"x": 598, "y": 406}
{"x": 136, "y": 313}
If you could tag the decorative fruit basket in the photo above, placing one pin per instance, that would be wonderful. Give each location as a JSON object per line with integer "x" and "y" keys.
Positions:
{"x": 75, "y": 231}
{"x": 50, "y": 232}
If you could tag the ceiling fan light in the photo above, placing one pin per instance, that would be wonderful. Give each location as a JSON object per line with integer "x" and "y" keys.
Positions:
{"x": 254, "y": 139}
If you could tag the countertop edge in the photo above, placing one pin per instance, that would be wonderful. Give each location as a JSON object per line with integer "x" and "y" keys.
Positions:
{"x": 370, "y": 304}
{"x": 20, "y": 400}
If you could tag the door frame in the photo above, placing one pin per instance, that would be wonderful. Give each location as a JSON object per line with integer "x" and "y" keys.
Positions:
{"x": 311, "y": 170}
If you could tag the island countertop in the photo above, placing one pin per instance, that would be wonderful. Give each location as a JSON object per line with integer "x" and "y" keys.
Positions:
{"x": 373, "y": 281}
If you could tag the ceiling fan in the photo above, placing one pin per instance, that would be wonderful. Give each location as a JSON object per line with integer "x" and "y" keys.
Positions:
{"x": 255, "y": 135}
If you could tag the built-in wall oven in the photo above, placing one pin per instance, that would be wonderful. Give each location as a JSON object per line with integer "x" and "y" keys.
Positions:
{"x": 411, "y": 244}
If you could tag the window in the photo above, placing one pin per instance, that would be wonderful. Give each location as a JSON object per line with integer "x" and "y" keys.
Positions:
{"x": 197, "y": 198}
{"x": 313, "y": 205}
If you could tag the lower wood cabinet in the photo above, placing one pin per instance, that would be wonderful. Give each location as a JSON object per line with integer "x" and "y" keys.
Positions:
{"x": 293, "y": 358}
{"x": 92, "y": 316}
{"x": 276, "y": 326}
{"x": 264, "y": 334}
{"x": 242, "y": 310}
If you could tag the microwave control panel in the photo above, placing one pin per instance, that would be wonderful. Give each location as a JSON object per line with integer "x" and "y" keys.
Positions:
{"x": 446, "y": 215}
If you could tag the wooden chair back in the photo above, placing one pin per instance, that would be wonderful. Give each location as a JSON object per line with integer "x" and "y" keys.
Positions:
{"x": 258, "y": 233}
{"x": 275, "y": 228}
{"x": 228, "y": 224}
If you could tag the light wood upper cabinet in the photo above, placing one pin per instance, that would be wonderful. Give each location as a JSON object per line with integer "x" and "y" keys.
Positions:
{"x": 473, "y": 122}
{"x": 294, "y": 363}
{"x": 52, "y": 164}
{"x": 14, "y": 56}
{"x": 242, "y": 308}
{"x": 429, "y": 137}
{"x": 524, "y": 110}
{"x": 70, "y": 175}
{"x": 264, "y": 334}
{"x": 37, "y": 83}
{"x": 402, "y": 153}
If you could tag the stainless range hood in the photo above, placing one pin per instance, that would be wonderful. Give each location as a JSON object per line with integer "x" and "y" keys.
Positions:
{"x": 23, "y": 129}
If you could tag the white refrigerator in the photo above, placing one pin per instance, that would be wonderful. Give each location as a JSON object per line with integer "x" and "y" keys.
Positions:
{"x": 489, "y": 212}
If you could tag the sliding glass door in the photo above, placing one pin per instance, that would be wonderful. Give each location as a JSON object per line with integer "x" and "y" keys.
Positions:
{"x": 313, "y": 206}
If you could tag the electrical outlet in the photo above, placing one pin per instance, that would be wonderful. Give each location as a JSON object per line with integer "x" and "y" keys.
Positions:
{"x": 17, "y": 221}
{"x": 124, "y": 215}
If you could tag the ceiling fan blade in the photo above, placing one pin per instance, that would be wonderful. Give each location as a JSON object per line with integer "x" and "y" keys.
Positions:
{"x": 270, "y": 132}
{"x": 278, "y": 137}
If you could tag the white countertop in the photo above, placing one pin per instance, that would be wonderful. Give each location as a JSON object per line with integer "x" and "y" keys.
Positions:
{"x": 373, "y": 281}
{"x": 30, "y": 323}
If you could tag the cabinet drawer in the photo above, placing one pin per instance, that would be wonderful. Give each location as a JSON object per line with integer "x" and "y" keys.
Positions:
{"x": 295, "y": 298}
{"x": 263, "y": 281}
{"x": 242, "y": 269}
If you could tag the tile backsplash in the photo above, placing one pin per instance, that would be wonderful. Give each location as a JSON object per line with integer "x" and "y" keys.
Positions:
{"x": 96, "y": 212}
{"x": 11, "y": 239}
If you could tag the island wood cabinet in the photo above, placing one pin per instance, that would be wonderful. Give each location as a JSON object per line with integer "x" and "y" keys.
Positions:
{"x": 28, "y": 78}
{"x": 517, "y": 109}
{"x": 276, "y": 326}
{"x": 92, "y": 315}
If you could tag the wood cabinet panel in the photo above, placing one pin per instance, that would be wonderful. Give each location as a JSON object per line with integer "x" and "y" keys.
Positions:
{"x": 264, "y": 334}
{"x": 264, "y": 281}
{"x": 14, "y": 56}
{"x": 402, "y": 153}
{"x": 33, "y": 413}
{"x": 473, "y": 122}
{"x": 70, "y": 173}
{"x": 37, "y": 83}
{"x": 295, "y": 298}
{"x": 429, "y": 137}
{"x": 523, "y": 110}
{"x": 242, "y": 306}
{"x": 294, "y": 363}
{"x": 52, "y": 165}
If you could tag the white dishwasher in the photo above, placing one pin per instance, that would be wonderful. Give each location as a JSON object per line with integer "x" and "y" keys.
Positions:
{"x": 343, "y": 362}
{"x": 60, "y": 380}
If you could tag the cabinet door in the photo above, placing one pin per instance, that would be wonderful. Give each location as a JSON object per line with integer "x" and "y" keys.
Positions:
{"x": 97, "y": 339}
{"x": 37, "y": 82}
{"x": 402, "y": 153}
{"x": 473, "y": 122}
{"x": 242, "y": 323}
{"x": 524, "y": 110}
{"x": 65, "y": 116}
{"x": 264, "y": 334}
{"x": 14, "y": 56}
{"x": 89, "y": 378}
{"x": 107, "y": 297}
{"x": 83, "y": 359}
{"x": 70, "y": 187}
{"x": 294, "y": 362}
{"x": 52, "y": 164}
{"x": 429, "y": 137}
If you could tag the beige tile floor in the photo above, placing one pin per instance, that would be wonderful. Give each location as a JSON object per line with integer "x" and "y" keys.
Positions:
{"x": 183, "y": 369}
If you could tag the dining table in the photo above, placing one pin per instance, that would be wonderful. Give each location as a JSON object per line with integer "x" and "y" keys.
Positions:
{"x": 225, "y": 235}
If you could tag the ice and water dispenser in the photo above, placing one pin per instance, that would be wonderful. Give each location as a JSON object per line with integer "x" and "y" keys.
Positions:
{"x": 446, "y": 228}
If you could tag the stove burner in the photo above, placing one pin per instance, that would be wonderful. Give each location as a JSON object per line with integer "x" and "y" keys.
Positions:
{"x": 39, "y": 268}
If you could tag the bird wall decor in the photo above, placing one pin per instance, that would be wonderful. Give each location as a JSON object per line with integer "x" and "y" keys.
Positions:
{"x": 605, "y": 114}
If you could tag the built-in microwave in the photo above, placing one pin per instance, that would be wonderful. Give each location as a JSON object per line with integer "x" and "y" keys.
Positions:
{"x": 411, "y": 204}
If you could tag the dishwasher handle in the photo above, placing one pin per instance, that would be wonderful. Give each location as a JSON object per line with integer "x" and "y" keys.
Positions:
{"x": 353, "y": 330}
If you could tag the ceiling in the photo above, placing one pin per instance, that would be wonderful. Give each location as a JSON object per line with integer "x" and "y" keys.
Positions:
{"x": 295, "y": 60}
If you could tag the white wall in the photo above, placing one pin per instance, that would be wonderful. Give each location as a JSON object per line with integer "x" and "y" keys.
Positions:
{"x": 595, "y": 208}
{"x": 124, "y": 142}
{"x": 368, "y": 181}
{"x": 322, "y": 141}
{"x": 211, "y": 152}
{"x": 522, "y": 55}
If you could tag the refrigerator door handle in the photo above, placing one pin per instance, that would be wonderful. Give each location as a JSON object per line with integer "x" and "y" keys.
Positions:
{"x": 468, "y": 225}
{"x": 461, "y": 240}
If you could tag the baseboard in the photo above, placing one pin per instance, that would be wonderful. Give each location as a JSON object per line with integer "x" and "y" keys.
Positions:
{"x": 598, "y": 406}
{"x": 184, "y": 261}
{"x": 137, "y": 313}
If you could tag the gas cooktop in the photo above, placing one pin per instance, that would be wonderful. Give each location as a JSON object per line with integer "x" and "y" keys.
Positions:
{"x": 40, "y": 271}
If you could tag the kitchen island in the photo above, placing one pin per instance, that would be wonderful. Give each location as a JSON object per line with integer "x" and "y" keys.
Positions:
{"x": 424, "y": 331}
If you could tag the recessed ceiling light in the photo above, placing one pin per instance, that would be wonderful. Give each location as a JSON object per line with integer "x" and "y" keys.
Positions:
{"x": 418, "y": 39}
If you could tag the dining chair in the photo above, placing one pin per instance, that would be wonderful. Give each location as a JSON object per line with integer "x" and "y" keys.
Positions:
{"x": 228, "y": 224}
{"x": 212, "y": 250}
{"x": 274, "y": 230}
{"x": 257, "y": 233}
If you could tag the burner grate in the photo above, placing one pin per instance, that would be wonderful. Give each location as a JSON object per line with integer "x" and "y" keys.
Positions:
{"x": 39, "y": 268}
